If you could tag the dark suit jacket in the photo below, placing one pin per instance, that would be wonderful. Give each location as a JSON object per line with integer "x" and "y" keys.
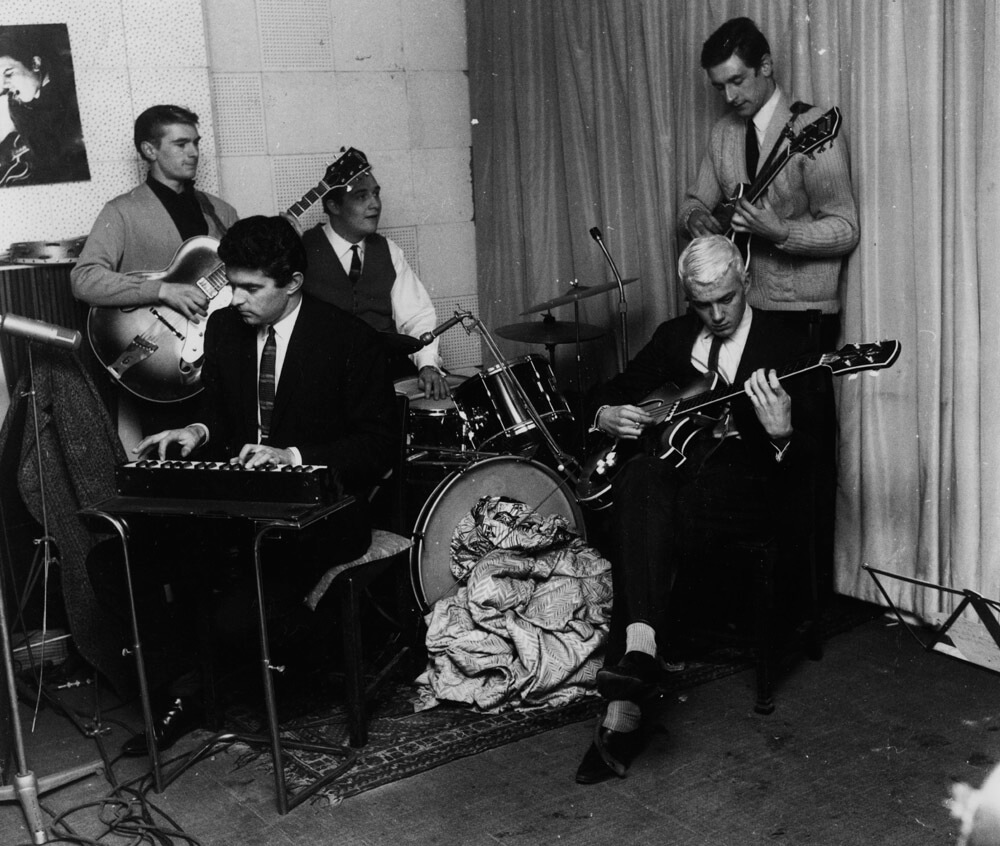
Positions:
{"x": 334, "y": 401}
{"x": 666, "y": 359}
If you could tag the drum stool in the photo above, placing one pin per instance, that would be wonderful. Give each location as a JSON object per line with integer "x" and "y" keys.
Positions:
{"x": 388, "y": 551}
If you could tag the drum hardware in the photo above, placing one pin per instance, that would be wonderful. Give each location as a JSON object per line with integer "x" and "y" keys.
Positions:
{"x": 550, "y": 333}
{"x": 397, "y": 343}
{"x": 513, "y": 388}
{"x": 595, "y": 233}
{"x": 576, "y": 293}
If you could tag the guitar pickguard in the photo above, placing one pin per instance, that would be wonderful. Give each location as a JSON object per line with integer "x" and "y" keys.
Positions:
{"x": 193, "y": 348}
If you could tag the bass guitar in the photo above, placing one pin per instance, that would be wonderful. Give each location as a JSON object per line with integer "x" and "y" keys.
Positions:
{"x": 154, "y": 351}
{"x": 681, "y": 415}
{"x": 810, "y": 141}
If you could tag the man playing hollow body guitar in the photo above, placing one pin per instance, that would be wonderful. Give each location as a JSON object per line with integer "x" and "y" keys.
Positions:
{"x": 740, "y": 476}
{"x": 142, "y": 229}
{"x": 807, "y": 221}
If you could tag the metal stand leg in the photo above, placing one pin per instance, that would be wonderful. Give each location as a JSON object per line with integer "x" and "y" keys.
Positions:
{"x": 286, "y": 802}
{"x": 26, "y": 787}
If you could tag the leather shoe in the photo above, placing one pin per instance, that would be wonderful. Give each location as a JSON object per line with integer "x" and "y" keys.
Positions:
{"x": 610, "y": 754}
{"x": 633, "y": 678}
{"x": 178, "y": 717}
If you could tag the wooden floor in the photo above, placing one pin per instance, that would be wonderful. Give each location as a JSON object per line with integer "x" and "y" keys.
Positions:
{"x": 862, "y": 749}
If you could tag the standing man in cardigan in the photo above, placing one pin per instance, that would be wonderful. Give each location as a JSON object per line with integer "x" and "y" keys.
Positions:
{"x": 366, "y": 274}
{"x": 141, "y": 230}
{"x": 802, "y": 228}
{"x": 807, "y": 221}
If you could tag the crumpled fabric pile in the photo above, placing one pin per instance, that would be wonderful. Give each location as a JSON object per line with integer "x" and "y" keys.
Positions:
{"x": 527, "y": 624}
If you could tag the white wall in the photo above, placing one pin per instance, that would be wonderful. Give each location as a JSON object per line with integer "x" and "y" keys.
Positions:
{"x": 122, "y": 50}
{"x": 292, "y": 83}
{"x": 280, "y": 86}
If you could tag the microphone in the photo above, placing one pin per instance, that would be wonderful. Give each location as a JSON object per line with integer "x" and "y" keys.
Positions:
{"x": 427, "y": 337}
{"x": 36, "y": 330}
{"x": 595, "y": 233}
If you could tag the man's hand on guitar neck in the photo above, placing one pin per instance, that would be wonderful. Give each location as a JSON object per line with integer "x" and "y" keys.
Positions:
{"x": 185, "y": 298}
{"x": 759, "y": 220}
{"x": 771, "y": 403}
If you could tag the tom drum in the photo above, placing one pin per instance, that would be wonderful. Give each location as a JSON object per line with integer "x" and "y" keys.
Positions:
{"x": 494, "y": 409}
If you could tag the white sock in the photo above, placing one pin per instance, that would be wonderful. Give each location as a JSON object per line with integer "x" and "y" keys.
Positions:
{"x": 640, "y": 637}
{"x": 622, "y": 715}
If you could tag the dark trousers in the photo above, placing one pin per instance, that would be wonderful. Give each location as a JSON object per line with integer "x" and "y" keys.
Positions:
{"x": 666, "y": 518}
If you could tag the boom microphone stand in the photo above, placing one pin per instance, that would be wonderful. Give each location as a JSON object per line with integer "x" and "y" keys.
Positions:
{"x": 595, "y": 233}
{"x": 27, "y": 787}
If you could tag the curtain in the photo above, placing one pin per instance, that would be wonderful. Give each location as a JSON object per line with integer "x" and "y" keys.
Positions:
{"x": 596, "y": 112}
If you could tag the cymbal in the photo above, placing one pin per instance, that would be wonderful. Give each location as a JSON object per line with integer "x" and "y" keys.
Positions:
{"x": 549, "y": 332}
{"x": 577, "y": 292}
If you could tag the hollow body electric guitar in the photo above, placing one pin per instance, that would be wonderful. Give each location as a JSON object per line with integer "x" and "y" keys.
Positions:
{"x": 681, "y": 415}
{"x": 154, "y": 351}
{"x": 810, "y": 141}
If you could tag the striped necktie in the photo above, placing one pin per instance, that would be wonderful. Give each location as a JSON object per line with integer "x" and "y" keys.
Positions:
{"x": 265, "y": 384}
{"x": 355, "y": 272}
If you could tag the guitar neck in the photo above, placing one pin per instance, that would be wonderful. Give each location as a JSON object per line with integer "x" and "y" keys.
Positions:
{"x": 309, "y": 199}
{"x": 766, "y": 176}
{"x": 690, "y": 405}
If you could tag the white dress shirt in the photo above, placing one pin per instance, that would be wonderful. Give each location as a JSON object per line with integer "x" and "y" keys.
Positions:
{"x": 412, "y": 308}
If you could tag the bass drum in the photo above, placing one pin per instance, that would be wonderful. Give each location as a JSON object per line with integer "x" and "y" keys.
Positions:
{"x": 505, "y": 475}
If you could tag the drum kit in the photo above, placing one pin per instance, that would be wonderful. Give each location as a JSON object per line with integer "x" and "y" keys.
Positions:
{"x": 501, "y": 433}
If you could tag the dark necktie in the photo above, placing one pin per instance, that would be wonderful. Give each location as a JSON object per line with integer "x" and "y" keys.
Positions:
{"x": 713, "y": 354}
{"x": 355, "y": 272}
{"x": 753, "y": 150}
{"x": 265, "y": 384}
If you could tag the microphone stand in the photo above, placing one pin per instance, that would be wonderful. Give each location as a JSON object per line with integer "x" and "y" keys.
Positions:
{"x": 26, "y": 787}
{"x": 595, "y": 233}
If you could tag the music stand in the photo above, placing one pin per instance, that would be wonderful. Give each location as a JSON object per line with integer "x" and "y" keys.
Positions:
{"x": 986, "y": 610}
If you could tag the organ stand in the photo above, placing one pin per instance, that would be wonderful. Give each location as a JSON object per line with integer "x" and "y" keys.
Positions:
{"x": 266, "y": 517}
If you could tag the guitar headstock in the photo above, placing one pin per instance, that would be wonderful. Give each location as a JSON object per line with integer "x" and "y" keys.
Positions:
{"x": 853, "y": 358}
{"x": 813, "y": 137}
{"x": 352, "y": 164}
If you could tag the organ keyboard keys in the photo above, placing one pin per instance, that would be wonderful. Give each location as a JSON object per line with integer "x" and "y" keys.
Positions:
{"x": 221, "y": 480}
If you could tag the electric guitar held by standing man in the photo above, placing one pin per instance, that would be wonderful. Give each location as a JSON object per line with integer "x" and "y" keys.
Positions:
{"x": 154, "y": 351}
{"x": 810, "y": 141}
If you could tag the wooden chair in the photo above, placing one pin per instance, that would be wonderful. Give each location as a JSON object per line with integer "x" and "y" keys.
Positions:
{"x": 350, "y": 581}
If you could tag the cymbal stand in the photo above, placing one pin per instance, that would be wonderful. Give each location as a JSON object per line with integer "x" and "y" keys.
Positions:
{"x": 566, "y": 463}
{"x": 26, "y": 787}
{"x": 579, "y": 371}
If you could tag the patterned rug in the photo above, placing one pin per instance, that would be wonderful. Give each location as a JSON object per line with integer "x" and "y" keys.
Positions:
{"x": 403, "y": 743}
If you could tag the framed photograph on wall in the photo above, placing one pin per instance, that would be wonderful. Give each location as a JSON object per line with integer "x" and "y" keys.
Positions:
{"x": 41, "y": 139}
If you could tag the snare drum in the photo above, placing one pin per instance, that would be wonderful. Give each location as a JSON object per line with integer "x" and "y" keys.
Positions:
{"x": 433, "y": 423}
{"x": 509, "y": 476}
{"x": 494, "y": 410}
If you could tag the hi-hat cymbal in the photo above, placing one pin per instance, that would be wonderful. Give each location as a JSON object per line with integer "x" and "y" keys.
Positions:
{"x": 577, "y": 292}
{"x": 549, "y": 332}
